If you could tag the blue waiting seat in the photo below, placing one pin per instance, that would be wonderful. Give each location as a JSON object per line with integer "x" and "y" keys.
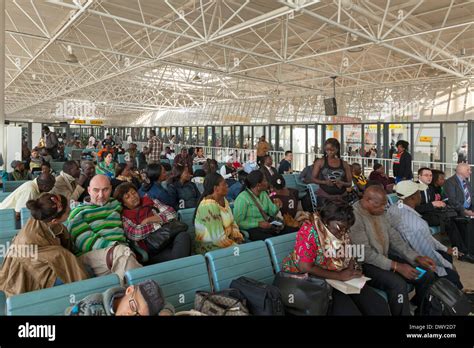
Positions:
{"x": 179, "y": 279}
{"x": 435, "y": 230}
{"x": 121, "y": 158}
{"x": 10, "y": 186}
{"x": 279, "y": 248}
{"x": 57, "y": 167}
{"x": 55, "y": 300}
{"x": 392, "y": 198}
{"x": 186, "y": 216}
{"x": 300, "y": 185}
{"x": 3, "y": 303}
{"x": 25, "y": 214}
{"x": 290, "y": 181}
{"x": 7, "y": 219}
{"x": 4, "y": 195}
{"x": 197, "y": 167}
{"x": 250, "y": 260}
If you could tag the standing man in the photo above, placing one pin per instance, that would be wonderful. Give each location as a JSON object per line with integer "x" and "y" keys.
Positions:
{"x": 262, "y": 149}
{"x": 285, "y": 164}
{"x": 154, "y": 148}
{"x": 108, "y": 141}
{"x": 51, "y": 142}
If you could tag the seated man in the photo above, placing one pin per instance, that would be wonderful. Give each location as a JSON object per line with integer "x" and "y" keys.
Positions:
{"x": 267, "y": 168}
{"x": 358, "y": 178}
{"x": 251, "y": 164}
{"x": 285, "y": 164}
{"x": 236, "y": 188}
{"x": 373, "y": 232}
{"x": 70, "y": 182}
{"x": 417, "y": 233}
{"x": 97, "y": 232}
{"x": 19, "y": 172}
{"x": 29, "y": 190}
{"x": 199, "y": 158}
{"x": 459, "y": 191}
{"x": 143, "y": 299}
{"x": 228, "y": 172}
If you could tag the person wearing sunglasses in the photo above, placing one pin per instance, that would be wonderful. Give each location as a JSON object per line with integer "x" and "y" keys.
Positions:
{"x": 41, "y": 255}
{"x": 142, "y": 299}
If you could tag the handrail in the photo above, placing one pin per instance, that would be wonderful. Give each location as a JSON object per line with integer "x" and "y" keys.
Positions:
{"x": 299, "y": 159}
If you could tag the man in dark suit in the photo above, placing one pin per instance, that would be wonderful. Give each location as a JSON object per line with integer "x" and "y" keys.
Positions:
{"x": 433, "y": 209}
{"x": 267, "y": 169}
{"x": 460, "y": 194}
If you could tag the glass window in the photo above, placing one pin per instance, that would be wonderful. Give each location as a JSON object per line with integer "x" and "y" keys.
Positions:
{"x": 248, "y": 138}
{"x": 311, "y": 144}
{"x": 352, "y": 139}
{"x": 299, "y": 147}
{"x": 258, "y": 131}
{"x": 226, "y": 137}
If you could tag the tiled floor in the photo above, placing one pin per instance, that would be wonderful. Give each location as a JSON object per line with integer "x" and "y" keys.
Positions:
{"x": 466, "y": 272}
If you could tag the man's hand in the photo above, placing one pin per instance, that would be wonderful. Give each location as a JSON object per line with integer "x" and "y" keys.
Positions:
{"x": 407, "y": 271}
{"x": 81, "y": 180}
{"x": 426, "y": 262}
{"x": 438, "y": 204}
{"x": 278, "y": 202}
{"x": 468, "y": 212}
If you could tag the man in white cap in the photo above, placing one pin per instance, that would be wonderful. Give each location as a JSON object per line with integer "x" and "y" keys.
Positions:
{"x": 416, "y": 232}
{"x": 228, "y": 172}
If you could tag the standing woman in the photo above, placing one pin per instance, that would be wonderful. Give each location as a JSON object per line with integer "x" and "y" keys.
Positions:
{"x": 402, "y": 162}
{"x": 49, "y": 259}
{"x": 213, "y": 220}
{"x": 107, "y": 166}
{"x": 333, "y": 175}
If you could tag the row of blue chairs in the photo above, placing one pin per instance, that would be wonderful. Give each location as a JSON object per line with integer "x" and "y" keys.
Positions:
{"x": 179, "y": 279}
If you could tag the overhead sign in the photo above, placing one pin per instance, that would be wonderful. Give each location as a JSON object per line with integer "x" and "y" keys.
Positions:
{"x": 91, "y": 122}
{"x": 426, "y": 139}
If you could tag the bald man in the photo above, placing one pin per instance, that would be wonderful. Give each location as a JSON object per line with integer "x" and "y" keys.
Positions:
{"x": 459, "y": 190}
{"x": 460, "y": 194}
{"x": 97, "y": 232}
{"x": 373, "y": 232}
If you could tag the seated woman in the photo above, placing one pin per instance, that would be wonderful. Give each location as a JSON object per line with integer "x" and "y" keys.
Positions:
{"x": 213, "y": 219}
{"x": 107, "y": 165}
{"x": 183, "y": 192}
{"x": 288, "y": 196}
{"x": 378, "y": 175}
{"x": 321, "y": 250}
{"x": 156, "y": 175}
{"x": 210, "y": 166}
{"x": 41, "y": 255}
{"x": 123, "y": 174}
{"x": 254, "y": 210}
{"x": 142, "y": 217}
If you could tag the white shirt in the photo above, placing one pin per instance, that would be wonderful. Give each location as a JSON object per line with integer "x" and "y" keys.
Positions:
{"x": 91, "y": 141}
{"x": 224, "y": 174}
{"x": 18, "y": 198}
{"x": 129, "y": 139}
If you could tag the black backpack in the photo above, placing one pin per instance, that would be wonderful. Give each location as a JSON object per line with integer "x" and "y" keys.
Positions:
{"x": 262, "y": 299}
{"x": 444, "y": 298}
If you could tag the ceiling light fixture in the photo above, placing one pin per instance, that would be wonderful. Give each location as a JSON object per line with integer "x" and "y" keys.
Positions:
{"x": 354, "y": 41}
{"x": 71, "y": 58}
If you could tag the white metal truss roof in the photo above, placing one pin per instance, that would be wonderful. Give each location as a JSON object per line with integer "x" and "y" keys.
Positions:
{"x": 228, "y": 61}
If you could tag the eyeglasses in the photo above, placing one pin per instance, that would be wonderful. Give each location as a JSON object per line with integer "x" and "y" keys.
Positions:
{"x": 133, "y": 304}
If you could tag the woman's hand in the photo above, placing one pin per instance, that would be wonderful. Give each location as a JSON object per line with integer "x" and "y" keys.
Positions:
{"x": 426, "y": 262}
{"x": 265, "y": 225}
{"x": 407, "y": 271}
{"x": 349, "y": 273}
{"x": 339, "y": 184}
{"x": 329, "y": 182}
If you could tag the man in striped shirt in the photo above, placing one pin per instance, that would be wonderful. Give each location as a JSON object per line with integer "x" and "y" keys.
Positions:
{"x": 415, "y": 230}
{"x": 97, "y": 231}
